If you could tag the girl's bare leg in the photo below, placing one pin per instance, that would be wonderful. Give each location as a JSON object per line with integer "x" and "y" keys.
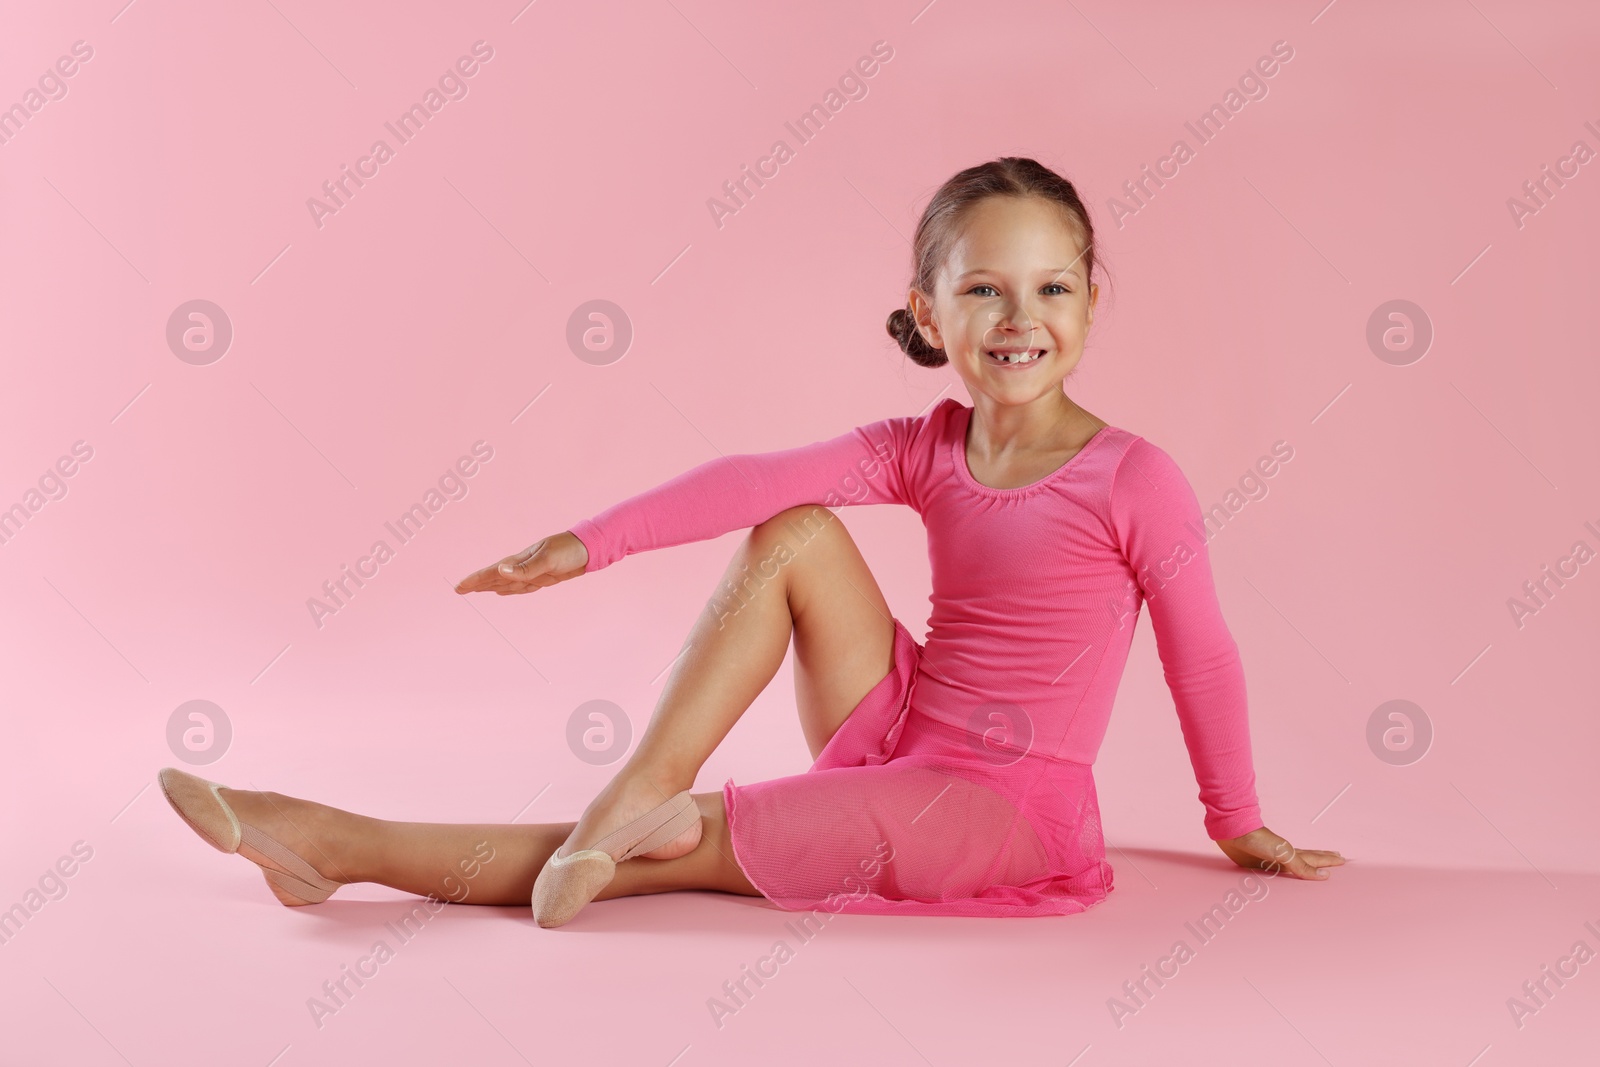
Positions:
{"x": 471, "y": 863}
{"x": 800, "y": 574}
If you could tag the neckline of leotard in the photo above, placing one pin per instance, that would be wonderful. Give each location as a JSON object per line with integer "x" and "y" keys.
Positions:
{"x": 958, "y": 455}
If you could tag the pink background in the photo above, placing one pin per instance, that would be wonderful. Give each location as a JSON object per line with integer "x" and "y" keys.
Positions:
{"x": 370, "y": 353}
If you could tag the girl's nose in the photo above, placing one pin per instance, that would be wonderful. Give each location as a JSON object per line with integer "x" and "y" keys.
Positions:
{"x": 1007, "y": 326}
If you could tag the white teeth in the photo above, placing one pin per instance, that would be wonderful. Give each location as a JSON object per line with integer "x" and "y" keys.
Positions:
{"x": 1018, "y": 357}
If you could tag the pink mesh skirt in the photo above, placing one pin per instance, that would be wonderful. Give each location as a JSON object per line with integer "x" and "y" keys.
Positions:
{"x": 903, "y": 813}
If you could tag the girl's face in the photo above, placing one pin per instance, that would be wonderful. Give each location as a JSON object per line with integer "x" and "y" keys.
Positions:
{"x": 1014, "y": 282}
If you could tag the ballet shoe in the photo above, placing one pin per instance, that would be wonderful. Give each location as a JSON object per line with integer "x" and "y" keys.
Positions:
{"x": 292, "y": 880}
{"x": 566, "y": 883}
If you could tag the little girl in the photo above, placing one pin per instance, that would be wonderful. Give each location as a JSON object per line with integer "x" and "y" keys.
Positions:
{"x": 952, "y": 777}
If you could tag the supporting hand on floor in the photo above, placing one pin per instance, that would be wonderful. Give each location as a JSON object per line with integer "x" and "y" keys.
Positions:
{"x": 1262, "y": 849}
{"x": 547, "y": 561}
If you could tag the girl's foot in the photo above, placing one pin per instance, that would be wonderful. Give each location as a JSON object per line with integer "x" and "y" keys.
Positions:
{"x": 628, "y": 796}
{"x": 308, "y": 829}
{"x": 295, "y": 843}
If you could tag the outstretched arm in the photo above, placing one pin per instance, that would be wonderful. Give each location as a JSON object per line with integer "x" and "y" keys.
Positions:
{"x": 862, "y": 466}
{"x": 866, "y": 465}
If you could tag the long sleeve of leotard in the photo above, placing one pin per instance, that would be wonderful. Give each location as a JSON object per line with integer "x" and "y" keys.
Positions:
{"x": 1156, "y": 517}
{"x": 862, "y": 466}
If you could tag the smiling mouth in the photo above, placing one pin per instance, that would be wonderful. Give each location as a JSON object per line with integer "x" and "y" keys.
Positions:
{"x": 1013, "y": 357}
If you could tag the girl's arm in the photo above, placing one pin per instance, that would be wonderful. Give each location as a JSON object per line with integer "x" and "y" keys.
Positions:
{"x": 863, "y": 466}
{"x": 1156, "y": 517}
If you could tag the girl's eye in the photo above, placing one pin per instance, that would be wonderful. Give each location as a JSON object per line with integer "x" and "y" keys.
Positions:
{"x": 1052, "y": 285}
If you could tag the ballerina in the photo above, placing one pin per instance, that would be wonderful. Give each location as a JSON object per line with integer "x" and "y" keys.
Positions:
{"x": 948, "y": 777}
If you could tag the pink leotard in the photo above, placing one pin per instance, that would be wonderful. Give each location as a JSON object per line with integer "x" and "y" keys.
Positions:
{"x": 961, "y": 785}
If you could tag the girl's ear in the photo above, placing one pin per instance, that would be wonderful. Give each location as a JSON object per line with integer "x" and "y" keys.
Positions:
{"x": 922, "y": 312}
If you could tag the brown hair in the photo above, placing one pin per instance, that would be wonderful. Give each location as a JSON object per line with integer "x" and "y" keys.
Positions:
{"x": 941, "y": 224}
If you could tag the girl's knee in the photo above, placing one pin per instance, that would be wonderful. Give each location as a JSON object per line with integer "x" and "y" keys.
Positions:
{"x": 795, "y": 527}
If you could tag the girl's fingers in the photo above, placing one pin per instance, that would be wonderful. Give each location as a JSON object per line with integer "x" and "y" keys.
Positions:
{"x": 516, "y": 565}
{"x": 490, "y": 580}
{"x": 517, "y": 570}
{"x": 479, "y": 579}
{"x": 543, "y": 563}
{"x": 485, "y": 578}
{"x": 1272, "y": 852}
{"x": 1314, "y": 864}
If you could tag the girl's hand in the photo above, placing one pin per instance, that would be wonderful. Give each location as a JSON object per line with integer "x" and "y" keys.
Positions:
{"x": 1262, "y": 850}
{"x": 545, "y": 562}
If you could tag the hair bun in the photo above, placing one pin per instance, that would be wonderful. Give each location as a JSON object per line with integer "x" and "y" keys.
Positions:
{"x": 900, "y": 324}
{"x": 903, "y": 328}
